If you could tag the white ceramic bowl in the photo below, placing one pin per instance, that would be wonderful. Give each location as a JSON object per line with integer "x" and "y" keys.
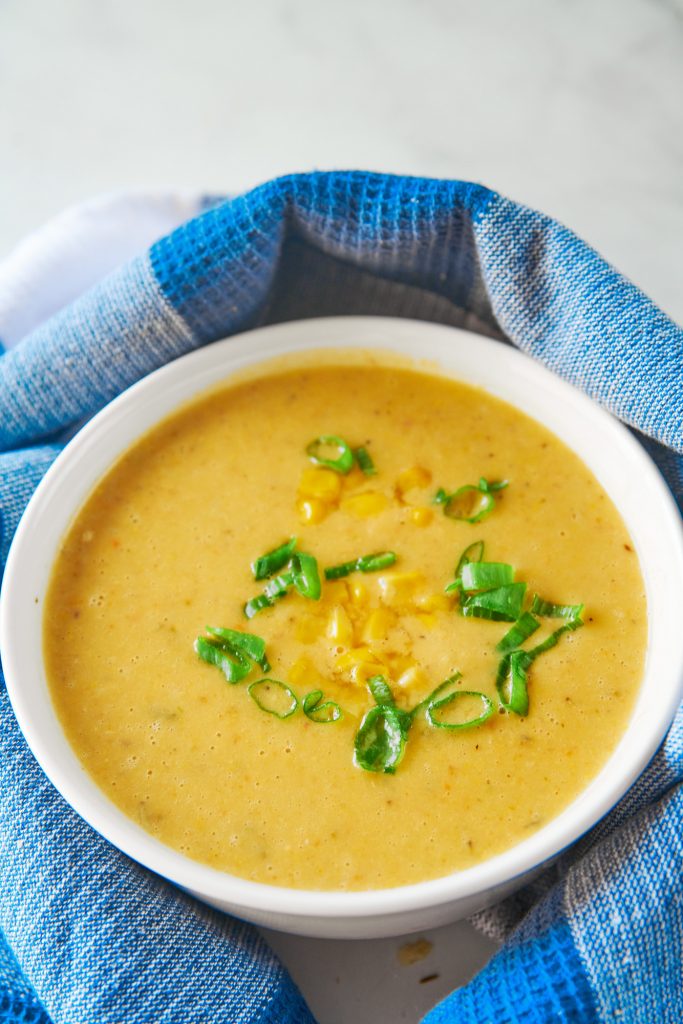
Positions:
{"x": 617, "y": 460}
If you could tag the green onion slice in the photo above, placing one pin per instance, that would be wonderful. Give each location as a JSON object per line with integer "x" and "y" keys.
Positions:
{"x": 364, "y": 460}
{"x": 258, "y": 604}
{"x": 253, "y": 646}
{"x": 458, "y": 696}
{"x": 503, "y": 604}
{"x": 555, "y": 611}
{"x": 273, "y": 697}
{"x": 431, "y": 697}
{"x": 380, "y": 742}
{"x": 441, "y": 497}
{"x": 279, "y": 585}
{"x": 319, "y": 711}
{"x": 274, "y": 560}
{"x": 486, "y": 575}
{"x": 551, "y": 641}
{"x": 344, "y": 460}
{"x": 305, "y": 575}
{"x": 472, "y": 553}
{"x": 469, "y": 504}
{"x": 523, "y": 628}
{"x": 366, "y": 563}
{"x": 233, "y": 663}
{"x": 380, "y": 690}
{"x": 511, "y": 682}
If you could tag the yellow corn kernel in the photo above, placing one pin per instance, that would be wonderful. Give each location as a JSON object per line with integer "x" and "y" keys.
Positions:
{"x": 433, "y": 602}
{"x": 370, "y": 503}
{"x": 365, "y": 670}
{"x": 399, "y": 587}
{"x": 378, "y": 624}
{"x": 303, "y": 673}
{"x": 413, "y": 678}
{"x": 421, "y": 516}
{"x": 416, "y": 476}
{"x": 312, "y": 510}
{"x": 358, "y": 591}
{"x": 339, "y": 626}
{"x": 355, "y": 656}
{"x": 426, "y": 619}
{"x": 308, "y": 629}
{"x": 324, "y": 484}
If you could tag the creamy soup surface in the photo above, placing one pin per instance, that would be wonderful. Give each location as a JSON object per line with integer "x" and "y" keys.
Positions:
{"x": 163, "y": 548}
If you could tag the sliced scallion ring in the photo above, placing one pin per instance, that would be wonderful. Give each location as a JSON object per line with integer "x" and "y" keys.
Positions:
{"x": 322, "y": 712}
{"x": 504, "y": 604}
{"x": 274, "y": 560}
{"x": 273, "y": 697}
{"x": 523, "y": 628}
{"x": 253, "y": 646}
{"x": 450, "y": 700}
{"x": 305, "y": 575}
{"x": 364, "y": 460}
{"x": 343, "y": 463}
{"x": 486, "y": 575}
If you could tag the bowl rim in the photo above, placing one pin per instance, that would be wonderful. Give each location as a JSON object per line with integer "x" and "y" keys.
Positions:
{"x": 496, "y": 367}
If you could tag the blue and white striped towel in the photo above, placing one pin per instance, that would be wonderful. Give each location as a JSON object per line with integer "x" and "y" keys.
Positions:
{"x": 89, "y": 937}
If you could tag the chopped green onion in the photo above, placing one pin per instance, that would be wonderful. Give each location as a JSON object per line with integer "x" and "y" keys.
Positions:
{"x": 279, "y": 585}
{"x": 269, "y": 695}
{"x": 431, "y": 697}
{"x": 464, "y": 506}
{"x": 373, "y": 563}
{"x": 472, "y": 553}
{"x": 486, "y": 575}
{"x": 305, "y": 575}
{"x": 274, "y": 560}
{"x": 258, "y": 604}
{"x": 364, "y": 460}
{"x": 504, "y": 604}
{"x": 380, "y": 690}
{"x": 511, "y": 682}
{"x": 380, "y": 742}
{"x": 469, "y": 723}
{"x": 472, "y": 502}
{"x": 335, "y": 572}
{"x": 366, "y": 563}
{"x": 320, "y": 712}
{"x": 555, "y": 611}
{"x": 344, "y": 461}
{"x": 551, "y": 641}
{"x": 523, "y": 628}
{"x": 253, "y": 646}
{"x": 233, "y": 663}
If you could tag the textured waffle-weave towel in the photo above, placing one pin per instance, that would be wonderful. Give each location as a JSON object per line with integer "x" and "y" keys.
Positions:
{"x": 90, "y": 938}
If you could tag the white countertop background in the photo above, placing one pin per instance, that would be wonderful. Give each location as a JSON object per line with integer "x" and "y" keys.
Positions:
{"x": 574, "y": 107}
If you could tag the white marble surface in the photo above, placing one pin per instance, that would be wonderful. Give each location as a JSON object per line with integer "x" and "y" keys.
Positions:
{"x": 572, "y": 106}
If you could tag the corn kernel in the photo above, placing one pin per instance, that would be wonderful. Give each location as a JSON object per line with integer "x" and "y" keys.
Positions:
{"x": 365, "y": 670}
{"x": 370, "y": 503}
{"x": 324, "y": 484}
{"x": 433, "y": 602}
{"x": 378, "y": 624}
{"x": 308, "y": 629}
{"x": 416, "y": 476}
{"x": 399, "y": 587}
{"x": 355, "y": 656}
{"x": 421, "y": 516}
{"x": 312, "y": 510}
{"x": 303, "y": 673}
{"x": 339, "y": 626}
{"x": 358, "y": 591}
{"x": 413, "y": 678}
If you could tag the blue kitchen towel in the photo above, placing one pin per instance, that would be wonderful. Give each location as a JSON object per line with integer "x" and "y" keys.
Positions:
{"x": 91, "y": 938}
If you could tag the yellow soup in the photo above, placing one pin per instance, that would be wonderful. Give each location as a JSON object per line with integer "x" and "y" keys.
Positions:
{"x": 163, "y": 548}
